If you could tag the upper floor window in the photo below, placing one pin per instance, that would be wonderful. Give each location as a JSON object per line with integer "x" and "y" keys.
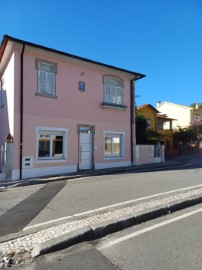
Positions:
{"x": 148, "y": 122}
{"x": 113, "y": 90}
{"x": 197, "y": 117}
{"x": 46, "y": 78}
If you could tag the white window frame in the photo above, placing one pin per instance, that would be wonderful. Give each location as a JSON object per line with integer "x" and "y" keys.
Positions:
{"x": 115, "y": 134}
{"x": 52, "y": 132}
{"x": 49, "y": 78}
{"x": 112, "y": 92}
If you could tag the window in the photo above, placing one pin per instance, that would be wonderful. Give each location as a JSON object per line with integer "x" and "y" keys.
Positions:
{"x": 113, "y": 90}
{"x": 114, "y": 144}
{"x": 197, "y": 117}
{"x": 46, "y": 78}
{"x": 82, "y": 86}
{"x": 148, "y": 122}
{"x": 51, "y": 144}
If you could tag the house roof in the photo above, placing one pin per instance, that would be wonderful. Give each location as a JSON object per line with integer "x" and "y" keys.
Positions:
{"x": 147, "y": 105}
{"x": 164, "y": 116}
{"x": 6, "y": 38}
{"x": 174, "y": 104}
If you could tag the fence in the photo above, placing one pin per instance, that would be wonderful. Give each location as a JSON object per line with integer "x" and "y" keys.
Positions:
{"x": 149, "y": 154}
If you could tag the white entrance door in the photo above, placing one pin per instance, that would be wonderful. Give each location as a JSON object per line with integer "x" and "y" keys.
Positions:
{"x": 85, "y": 149}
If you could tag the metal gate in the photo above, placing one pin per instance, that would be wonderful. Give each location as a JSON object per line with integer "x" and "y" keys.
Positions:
{"x": 2, "y": 159}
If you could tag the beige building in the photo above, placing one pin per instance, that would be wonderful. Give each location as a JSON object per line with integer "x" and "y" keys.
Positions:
{"x": 184, "y": 115}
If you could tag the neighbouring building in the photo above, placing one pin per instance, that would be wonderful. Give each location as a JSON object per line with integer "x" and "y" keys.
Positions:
{"x": 184, "y": 115}
{"x": 65, "y": 113}
{"x": 160, "y": 123}
{"x": 150, "y": 114}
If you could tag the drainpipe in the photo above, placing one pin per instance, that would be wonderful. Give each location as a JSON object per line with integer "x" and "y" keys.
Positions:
{"x": 21, "y": 105}
{"x": 132, "y": 118}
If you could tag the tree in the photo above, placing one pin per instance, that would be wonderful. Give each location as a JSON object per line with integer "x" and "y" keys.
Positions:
{"x": 154, "y": 136}
{"x": 145, "y": 135}
{"x": 185, "y": 135}
{"x": 196, "y": 126}
{"x": 141, "y": 129}
{"x": 194, "y": 105}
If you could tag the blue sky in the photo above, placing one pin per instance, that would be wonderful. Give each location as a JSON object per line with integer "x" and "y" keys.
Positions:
{"x": 159, "y": 38}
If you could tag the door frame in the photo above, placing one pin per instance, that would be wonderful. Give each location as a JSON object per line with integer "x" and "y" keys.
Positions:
{"x": 92, "y": 128}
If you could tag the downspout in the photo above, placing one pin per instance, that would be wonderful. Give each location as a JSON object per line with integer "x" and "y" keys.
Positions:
{"x": 21, "y": 105}
{"x": 132, "y": 118}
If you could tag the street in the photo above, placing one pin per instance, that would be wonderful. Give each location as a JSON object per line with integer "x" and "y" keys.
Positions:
{"x": 33, "y": 206}
{"x": 172, "y": 242}
{"x": 148, "y": 245}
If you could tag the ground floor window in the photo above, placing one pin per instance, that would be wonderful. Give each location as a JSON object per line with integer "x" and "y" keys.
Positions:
{"x": 114, "y": 144}
{"x": 51, "y": 143}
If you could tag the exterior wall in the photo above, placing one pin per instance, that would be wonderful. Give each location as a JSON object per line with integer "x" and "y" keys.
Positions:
{"x": 70, "y": 108}
{"x": 7, "y": 111}
{"x": 181, "y": 113}
{"x": 196, "y": 111}
{"x": 149, "y": 114}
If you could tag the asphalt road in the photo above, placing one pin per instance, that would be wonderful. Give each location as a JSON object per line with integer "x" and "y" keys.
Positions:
{"x": 173, "y": 242}
{"x": 97, "y": 192}
{"x": 33, "y": 205}
{"x": 16, "y": 218}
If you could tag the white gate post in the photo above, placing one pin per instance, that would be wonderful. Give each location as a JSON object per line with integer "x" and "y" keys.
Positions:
{"x": 9, "y": 157}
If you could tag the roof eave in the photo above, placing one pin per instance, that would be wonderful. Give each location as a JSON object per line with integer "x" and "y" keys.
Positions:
{"x": 134, "y": 75}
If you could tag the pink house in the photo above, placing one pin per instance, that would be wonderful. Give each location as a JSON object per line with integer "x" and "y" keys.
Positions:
{"x": 65, "y": 113}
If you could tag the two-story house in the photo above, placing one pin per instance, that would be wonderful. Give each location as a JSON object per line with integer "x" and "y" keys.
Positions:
{"x": 160, "y": 123}
{"x": 65, "y": 113}
{"x": 184, "y": 115}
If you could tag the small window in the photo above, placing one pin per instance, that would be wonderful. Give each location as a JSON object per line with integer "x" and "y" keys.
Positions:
{"x": 51, "y": 144}
{"x": 114, "y": 145}
{"x": 113, "y": 90}
{"x": 82, "y": 86}
{"x": 148, "y": 122}
{"x": 197, "y": 117}
{"x": 46, "y": 76}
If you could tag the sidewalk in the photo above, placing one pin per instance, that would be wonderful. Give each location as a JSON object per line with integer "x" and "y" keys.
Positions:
{"x": 33, "y": 242}
{"x": 132, "y": 168}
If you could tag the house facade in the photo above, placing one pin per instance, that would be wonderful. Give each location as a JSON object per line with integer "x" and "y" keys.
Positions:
{"x": 65, "y": 113}
{"x": 161, "y": 123}
{"x": 150, "y": 113}
{"x": 184, "y": 115}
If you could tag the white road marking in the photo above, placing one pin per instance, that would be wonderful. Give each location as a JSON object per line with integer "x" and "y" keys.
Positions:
{"x": 110, "y": 206}
{"x": 46, "y": 223}
{"x": 153, "y": 227}
{"x": 135, "y": 200}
